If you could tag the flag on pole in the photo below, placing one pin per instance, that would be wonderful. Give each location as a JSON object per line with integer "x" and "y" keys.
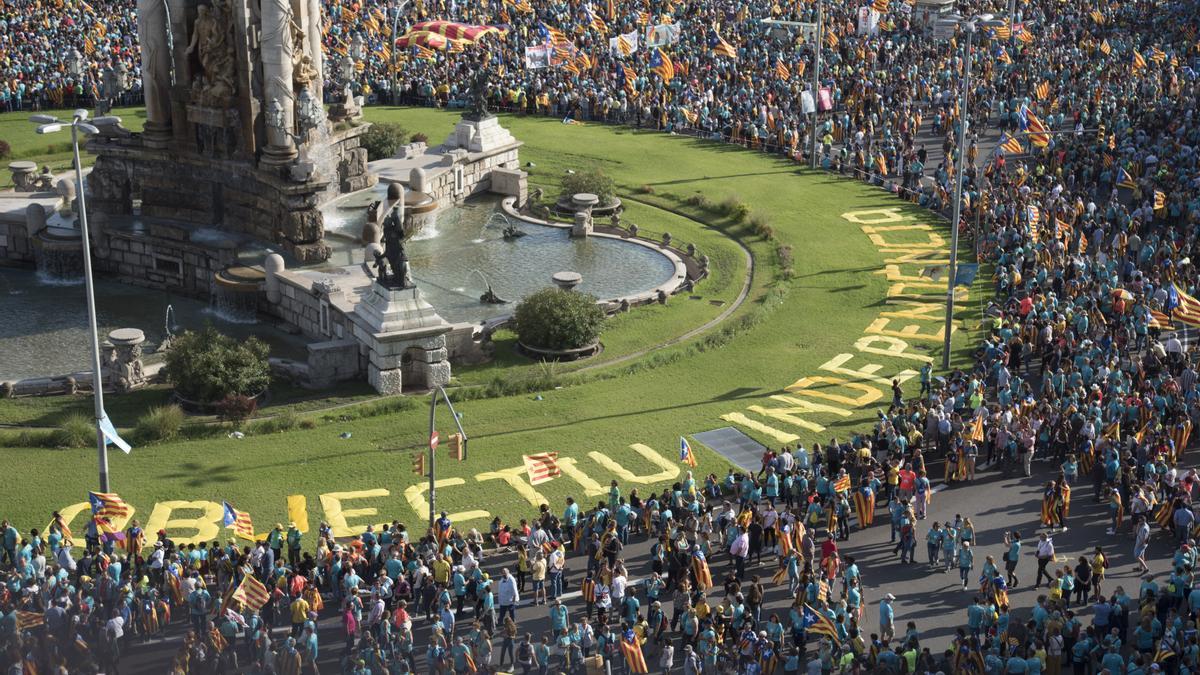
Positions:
{"x": 880, "y": 6}
{"x": 1042, "y": 90}
{"x": 815, "y": 622}
{"x": 685, "y": 453}
{"x": 252, "y": 593}
{"x": 29, "y": 620}
{"x": 239, "y": 522}
{"x": 1125, "y": 180}
{"x": 1097, "y": 16}
{"x": 1105, "y": 48}
{"x": 976, "y": 429}
{"x": 1139, "y": 61}
{"x": 782, "y": 71}
{"x": 110, "y": 433}
{"x": 108, "y": 505}
{"x": 719, "y": 46}
{"x": 1011, "y": 146}
{"x": 661, "y": 64}
{"x": 1157, "y": 55}
{"x": 542, "y": 467}
{"x": 842, "y": 484}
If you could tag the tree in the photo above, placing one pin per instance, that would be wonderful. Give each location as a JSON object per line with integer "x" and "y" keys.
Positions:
{"x": 556, "y": 319}
{"x": 209, "y": 366}
{"x": 593, "y": 181}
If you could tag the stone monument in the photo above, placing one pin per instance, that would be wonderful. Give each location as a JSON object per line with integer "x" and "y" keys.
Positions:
{"x": 479, "y": 130}
{"x": 405, "y": 336}
{"x": 233, "y": 94}
{"x": 121, "y": 360}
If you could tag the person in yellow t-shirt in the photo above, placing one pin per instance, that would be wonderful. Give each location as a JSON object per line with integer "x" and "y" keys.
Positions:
{"x": 441, "y": 570}
{"x": 299, "y": 615}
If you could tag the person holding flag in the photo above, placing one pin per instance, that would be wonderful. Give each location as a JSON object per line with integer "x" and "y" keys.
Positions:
{"x": 685, "y": 453}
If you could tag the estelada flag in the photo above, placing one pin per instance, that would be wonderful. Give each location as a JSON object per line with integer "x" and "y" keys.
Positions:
{"x": 29, "y": 620}
{"x": 108, "y": 504}
{"x": 632, "y": 651}
{"x": 864, "y": 503}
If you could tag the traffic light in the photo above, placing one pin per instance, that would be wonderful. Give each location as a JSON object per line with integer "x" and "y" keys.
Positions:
{"x": 418, "y": 465}
{"x": 457, "y": 447}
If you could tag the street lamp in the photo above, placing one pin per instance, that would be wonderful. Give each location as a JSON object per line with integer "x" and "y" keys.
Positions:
{"x": 48, "y": 124}
{"x": 395, "y": 74}
{"x": 818, "y": 40}
{"x": 970, "y": 28}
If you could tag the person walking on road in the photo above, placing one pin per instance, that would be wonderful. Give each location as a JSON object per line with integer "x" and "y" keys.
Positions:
{"x": 1045, "y": 555}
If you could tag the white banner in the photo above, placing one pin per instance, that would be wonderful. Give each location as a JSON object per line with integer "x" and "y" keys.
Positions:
{"x": 663, "y": 34}
{"x": 868, "y": 21}
{"x": 537, "y": 56}
{"x": 631, "y": 41}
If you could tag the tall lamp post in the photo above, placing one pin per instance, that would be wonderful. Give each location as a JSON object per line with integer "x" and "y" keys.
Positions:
{"x": 969, "y": 27}
{"x": 816, "y": 85}
{"x": 399, "y": 11}
{"x": 48, "y": 124}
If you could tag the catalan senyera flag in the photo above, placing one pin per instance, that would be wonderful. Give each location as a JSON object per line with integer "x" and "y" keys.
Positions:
{"x": 542, "y": 467}
{"x": 1112, "y": 431}
{"x": 881, "y": 164}
{"x": 1105, "y": 48}
{"x": 630, "y": 79}
{"x": 1138, "y": 61}
{"x": 780, "y": 575}
{"x": 349, "y": 15}
{"x": 1097, "y": 16}
{"x": 625, "y": 47}
{"x": 880, "y": 6}
{"x": 252, "y": 593}
{"x": 632, "y": 650}
{"x": 108, "y": 505}
{"x": 842, "y": 484}
{"x": 1160, "y": 200}
{"x": 29, "y": 620}
{"x": 685, "y": 452}
{"x": 238, "y": 521}
{"x": 1157, "y": 55}
{"x": 831, "y": 38}
{"x": 864, "y": 504}
{"x": 1042, "y": 90}
{"x": 782, "y": 71}
{"x": 976, "y": 429}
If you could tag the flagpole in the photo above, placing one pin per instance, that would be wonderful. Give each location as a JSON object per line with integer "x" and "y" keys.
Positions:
{"x": 816, "y": 84}
{"x": 956, "y": 211}
{"x": 432, "y": 455}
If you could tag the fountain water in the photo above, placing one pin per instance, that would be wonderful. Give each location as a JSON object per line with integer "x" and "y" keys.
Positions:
{"x": 235, "y": 294}
{"x": 489, "y": 296}
{"x": 58, "y": 254}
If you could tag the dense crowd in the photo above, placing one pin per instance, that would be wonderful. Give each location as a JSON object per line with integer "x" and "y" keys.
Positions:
{"x": 1091, "y": 229}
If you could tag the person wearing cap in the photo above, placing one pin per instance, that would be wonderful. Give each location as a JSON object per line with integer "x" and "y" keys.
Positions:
{"x": 887, "y": 617}
{"x": 294, "y": 544}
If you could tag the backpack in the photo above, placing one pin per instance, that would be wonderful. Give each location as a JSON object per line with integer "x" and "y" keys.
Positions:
{"x": 525, "y": 653}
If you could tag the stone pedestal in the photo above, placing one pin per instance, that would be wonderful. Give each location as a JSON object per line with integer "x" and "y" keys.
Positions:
{"x": 483, "y": 135}
{"x": 405, "y": 340}
{"x": 583, "y": 224}
{"x": 121, "y": 359}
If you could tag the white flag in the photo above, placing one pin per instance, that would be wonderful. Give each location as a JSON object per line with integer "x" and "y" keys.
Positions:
{"x": 110, "y": 433}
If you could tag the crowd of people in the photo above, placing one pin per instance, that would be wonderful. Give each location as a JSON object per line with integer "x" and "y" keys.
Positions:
{"x": 1090, "y": 225}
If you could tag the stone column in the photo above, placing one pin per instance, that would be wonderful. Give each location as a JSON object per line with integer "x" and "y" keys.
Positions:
{"x": 277, "y": 80}
{"x": 312, "y": 29}
{"x": 178, "y": 10}
{"x": 156, "y": 70}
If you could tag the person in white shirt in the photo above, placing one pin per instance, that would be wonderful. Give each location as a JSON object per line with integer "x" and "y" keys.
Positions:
{"x": 1045, "y": 556}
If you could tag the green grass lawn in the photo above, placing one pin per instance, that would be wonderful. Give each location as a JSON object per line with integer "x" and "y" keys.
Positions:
{"x": 785, "y": 331}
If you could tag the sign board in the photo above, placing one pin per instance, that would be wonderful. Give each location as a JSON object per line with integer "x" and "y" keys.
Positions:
{"x": 537, "y": 56}
{"x": 944, "y": 29}
{"x": 807, "y": 30}
{"x": 825, "y": 99}
{"x": 965, "y": 273}
{"x": 807, "y": 105}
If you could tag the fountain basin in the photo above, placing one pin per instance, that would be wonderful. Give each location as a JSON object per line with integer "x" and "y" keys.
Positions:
{"x": 58, "y": 254}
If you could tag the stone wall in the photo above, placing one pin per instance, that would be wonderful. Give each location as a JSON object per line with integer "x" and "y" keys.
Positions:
{"x": 160, "y": 258}
{"x": 15, "y": 245}
{"x": 235, "y": 195}
{"x": 443, "y": 184}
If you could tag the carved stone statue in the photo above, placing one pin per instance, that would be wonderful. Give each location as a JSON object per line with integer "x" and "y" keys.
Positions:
{"x": 156, "y": 59}
{"x": 212, "y": 44}
{"x": 478, "y": 95}
{"x": 304, "y": 71}
{"x": 346, "y": 68}
{"x": 392, "y": 264}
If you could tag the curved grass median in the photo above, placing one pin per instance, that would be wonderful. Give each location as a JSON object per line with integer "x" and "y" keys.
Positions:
{"x": 803, "y": 359}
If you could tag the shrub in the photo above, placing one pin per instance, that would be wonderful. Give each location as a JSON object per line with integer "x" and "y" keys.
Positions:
{"x": 556, "y": 319}
{"x": 761, "y": 226}
{"x": 784, "y": 253}
{"x": 288, "y": 419}
{"x": 308, "y": 423}
{"x": 382, "y": 140}
{"x": 645, "y": 189}
{"x": 236, "y": 409}
{"x": 418, "y": 138}
{"x": 736, "y": 209}
{"x": 698, "y": 200}
{"x": 160, "y": 424}
{"x": 593, "y": 181}
{"x": 5, "y": 149}
{"x": 208, "y": 366}
{"x": 76, "y": 431}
